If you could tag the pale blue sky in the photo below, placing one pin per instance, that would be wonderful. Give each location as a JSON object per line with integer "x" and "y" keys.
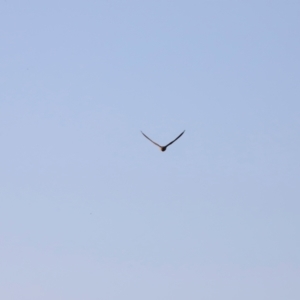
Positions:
{"x": 90, "y": 209}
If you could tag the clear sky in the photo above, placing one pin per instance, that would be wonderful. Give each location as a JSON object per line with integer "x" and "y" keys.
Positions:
{"x": 90, "y": 209}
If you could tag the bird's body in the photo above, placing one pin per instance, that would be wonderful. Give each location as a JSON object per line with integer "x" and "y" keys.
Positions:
{"x": 163, "y": 148}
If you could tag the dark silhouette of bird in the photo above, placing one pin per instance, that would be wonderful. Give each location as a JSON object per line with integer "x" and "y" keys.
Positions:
{"x": 163, "y": 148}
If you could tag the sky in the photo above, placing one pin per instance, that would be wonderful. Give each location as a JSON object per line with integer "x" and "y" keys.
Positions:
{"x": 90, "y": 209}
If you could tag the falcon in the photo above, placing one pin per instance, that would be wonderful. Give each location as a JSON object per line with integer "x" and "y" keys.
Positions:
{"x": 163, "y": 148}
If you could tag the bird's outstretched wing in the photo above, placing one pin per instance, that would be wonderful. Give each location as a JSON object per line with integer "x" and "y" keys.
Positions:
{"x": 150, "y": 139}
{"x": 176, "y": 139}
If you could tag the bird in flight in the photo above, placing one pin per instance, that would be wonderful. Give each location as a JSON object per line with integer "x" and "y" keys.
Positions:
{"x": 163, "y": 148}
